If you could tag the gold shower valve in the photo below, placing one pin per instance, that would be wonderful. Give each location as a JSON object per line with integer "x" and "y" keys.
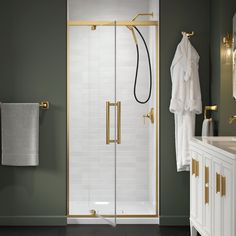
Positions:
{"x": 149, "y": 115}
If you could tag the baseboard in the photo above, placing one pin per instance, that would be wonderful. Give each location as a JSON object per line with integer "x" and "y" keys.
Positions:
{"x": 33, "y": 220}
{"x": 174, "y": 220}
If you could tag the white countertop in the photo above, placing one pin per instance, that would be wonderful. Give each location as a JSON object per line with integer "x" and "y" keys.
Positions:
{"x": 223, "y": 144}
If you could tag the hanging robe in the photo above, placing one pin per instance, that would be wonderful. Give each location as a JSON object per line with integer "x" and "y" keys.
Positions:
{"x": 185, "y": 99}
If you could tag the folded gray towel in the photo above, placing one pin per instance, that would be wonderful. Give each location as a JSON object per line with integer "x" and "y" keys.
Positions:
{"x": 20, "y": 134}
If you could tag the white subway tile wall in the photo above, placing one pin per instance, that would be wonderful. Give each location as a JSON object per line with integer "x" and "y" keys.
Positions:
{"x": 91, "y": 84}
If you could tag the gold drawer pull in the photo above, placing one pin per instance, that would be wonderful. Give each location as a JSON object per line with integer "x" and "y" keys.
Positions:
{"x": 206, "y": 194}
{"x": 223, "y": 184}
{"x": 218, "y": 182}
{"x": 193, "y": 166}
{"x": 197, "y": 169}
{"x": 206, "y": 185}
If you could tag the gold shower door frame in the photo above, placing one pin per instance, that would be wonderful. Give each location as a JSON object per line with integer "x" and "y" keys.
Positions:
{"x": 93, "y": 25}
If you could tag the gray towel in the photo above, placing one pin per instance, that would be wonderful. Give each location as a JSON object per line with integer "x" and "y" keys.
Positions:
{"x": 208, "y": 127}
{"x": 20, "y": 134}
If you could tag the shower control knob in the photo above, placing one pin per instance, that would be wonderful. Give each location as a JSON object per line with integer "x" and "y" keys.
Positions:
{"x": 149, "y": 115}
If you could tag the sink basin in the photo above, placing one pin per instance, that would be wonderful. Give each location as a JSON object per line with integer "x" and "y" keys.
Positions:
{"x": 233, "y": 148}
{"x": 222, "y": 143}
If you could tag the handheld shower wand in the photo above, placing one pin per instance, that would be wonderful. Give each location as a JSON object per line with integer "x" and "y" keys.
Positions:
{"x": 137, "y": 64}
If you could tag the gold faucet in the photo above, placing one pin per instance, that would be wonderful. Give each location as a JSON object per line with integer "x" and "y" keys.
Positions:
{"x": 232, "y": 119}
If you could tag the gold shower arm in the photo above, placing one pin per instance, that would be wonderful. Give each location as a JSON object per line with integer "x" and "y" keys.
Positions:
{"x": 142, "y": 14}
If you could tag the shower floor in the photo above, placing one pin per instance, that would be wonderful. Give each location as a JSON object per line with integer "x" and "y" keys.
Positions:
{"x": 107, "y": 208}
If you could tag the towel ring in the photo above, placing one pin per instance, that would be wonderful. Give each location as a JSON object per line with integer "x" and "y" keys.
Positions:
{"x": 209, "y": 108}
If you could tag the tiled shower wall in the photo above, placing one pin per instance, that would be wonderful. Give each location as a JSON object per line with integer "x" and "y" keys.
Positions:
{"x": 91, "y": 84}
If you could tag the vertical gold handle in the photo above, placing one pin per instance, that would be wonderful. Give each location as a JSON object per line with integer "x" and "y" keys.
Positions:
{"x": 197, "y": 169}
{"x": 107, "y": 122}
{"x": 193, "y": 166}
{"x": 223, "y": 186}
{"x": 206, "y": 185}
{"x": 217, "y": 183}
{"x": 118, "y": 139}
{"x": 118, "y": 122}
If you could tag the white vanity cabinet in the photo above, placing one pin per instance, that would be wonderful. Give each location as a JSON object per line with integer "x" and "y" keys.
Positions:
{"x": 212, "y": 187}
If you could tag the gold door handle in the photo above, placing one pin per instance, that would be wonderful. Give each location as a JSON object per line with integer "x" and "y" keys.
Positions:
{"x": 118, "y": 106}
{"x": 223, "y": 186}
{"x": 206, "y": 185}
{"x": 217, "y": 183}
{"x": 193, "y": 166}
{"x": 107, "y": 122}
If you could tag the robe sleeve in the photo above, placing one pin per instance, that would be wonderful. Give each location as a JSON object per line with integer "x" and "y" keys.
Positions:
{"x": 176, "y": 104}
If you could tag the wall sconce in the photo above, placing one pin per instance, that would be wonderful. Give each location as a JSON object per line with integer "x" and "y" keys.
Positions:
{"x": 228, "y": 43}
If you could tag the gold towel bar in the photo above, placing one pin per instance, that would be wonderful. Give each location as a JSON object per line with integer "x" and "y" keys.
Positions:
{"x": 44, "y": 105}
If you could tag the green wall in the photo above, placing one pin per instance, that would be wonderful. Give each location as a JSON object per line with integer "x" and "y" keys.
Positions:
{"x": 222, "y": 12}
{"x": 32, "y": 69}
{"x": 177, "y": 16}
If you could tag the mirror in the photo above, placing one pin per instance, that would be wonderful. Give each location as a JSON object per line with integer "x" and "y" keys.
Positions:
{"x": 234, "y": 56}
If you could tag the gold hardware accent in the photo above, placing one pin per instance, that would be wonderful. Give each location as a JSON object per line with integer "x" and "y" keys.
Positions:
{"x": 44, "y": 105}
{"x": 197, "y": 169}
{"x": 232, "y": 118}
{"x": 112, "y": 23}
{"x": 118, "y": 139}
{"x": 149, "y": 115}
{"x": 118, "y": 122}
{"x": 209, "y": 108}
{"x": 142, "y": 14}
{"x": 206, "y": 194}
{"x": 93, "y": 27}
{"x": 131, "y": 27}
{"x": 228, "y": 40}
{"x": 223, "y": 184}
{"x": 134, "y": 35}
{"x": 206, "y": 185}
{"x": 193, "y": 166}
{"x": 188, "y": 34}
{"x": 217, "y": 183}
{"x": 93, "y": 212}
{"x": 107, "y": 122}
{"x": 206, "y": 175}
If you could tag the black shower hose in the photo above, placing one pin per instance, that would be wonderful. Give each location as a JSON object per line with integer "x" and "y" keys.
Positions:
{"x": 137, "y": 67}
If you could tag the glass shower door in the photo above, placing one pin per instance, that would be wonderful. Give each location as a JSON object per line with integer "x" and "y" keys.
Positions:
{"x": 93, "y": 121}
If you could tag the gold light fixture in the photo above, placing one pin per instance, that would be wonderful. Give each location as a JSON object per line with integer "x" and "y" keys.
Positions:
{"x": 228, "y": 43}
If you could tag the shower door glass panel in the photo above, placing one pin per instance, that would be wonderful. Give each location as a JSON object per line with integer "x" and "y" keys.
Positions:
{"x": 136, "y": 155}
{"x": 91, "y": 86}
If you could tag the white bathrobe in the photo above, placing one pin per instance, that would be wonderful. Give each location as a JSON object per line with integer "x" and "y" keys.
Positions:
{"x": 186, "y": 99}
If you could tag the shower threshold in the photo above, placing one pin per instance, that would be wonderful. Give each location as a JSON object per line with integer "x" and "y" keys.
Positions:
{"x": 127, "y": 213}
